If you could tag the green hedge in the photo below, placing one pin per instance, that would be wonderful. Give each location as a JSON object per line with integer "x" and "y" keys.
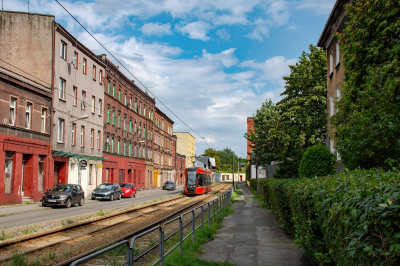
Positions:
{"x": 253, "y": 183}
{"x": 317, "y": 161}
{"x": 347, "y": 219}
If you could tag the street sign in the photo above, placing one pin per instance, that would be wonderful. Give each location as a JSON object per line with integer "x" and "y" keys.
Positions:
{"x": 82, "y": 164}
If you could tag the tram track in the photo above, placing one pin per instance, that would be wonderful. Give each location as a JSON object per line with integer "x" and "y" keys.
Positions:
{"x": 75, "y": 241}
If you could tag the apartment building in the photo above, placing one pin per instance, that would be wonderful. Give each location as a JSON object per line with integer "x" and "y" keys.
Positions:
{"x": 331, "y": 44}
{"x": 129, "y": 130}
{"x": 163, "y": 148}
{"x": 186, "y": 145}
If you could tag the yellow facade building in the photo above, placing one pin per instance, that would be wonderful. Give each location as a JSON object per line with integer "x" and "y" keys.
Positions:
{"x": 186, "y": 145}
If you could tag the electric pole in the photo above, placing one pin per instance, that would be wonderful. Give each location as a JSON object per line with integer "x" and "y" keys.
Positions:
{"x": 233, "y": 170}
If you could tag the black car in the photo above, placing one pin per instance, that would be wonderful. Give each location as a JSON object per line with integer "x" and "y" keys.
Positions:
{"x": 107, "y": 191}
{"x": 63, "y": 195}
{"x": 169, "y": 185}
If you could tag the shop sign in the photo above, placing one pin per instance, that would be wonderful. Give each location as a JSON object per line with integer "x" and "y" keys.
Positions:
{"x": 99, "y": 165}
{"x": 82, "y": 164}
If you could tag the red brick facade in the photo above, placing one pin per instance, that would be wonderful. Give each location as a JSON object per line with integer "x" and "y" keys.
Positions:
{"x": 250, "y": 122}
{"x": 128, "y": 129}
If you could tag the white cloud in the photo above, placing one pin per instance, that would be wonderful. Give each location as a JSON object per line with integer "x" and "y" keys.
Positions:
{"x": 156, "y": 29}
{"x": 223, "y": 34}
{"x": 273, "y": 69}
{"x": 278, "y": 13}
{"x": 322, "y": 7}
{"x": 261, "y": 30}
{"x": 196, "y": 30}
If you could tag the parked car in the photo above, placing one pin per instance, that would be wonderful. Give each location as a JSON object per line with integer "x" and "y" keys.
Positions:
{"x": 107, "y": 191}
{"x": 169, "y": 185}
{"x": 128, "y": 190}
{"x": 63, "y": 195}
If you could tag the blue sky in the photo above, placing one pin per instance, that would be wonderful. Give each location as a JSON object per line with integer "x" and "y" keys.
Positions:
{"x": 212, "y": 62}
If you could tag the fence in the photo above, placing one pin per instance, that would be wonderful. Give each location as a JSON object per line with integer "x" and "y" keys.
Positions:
{"x": 217, "y": 206}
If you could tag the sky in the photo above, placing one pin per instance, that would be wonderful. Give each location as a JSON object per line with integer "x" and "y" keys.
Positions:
{"x": 211, "y": 62}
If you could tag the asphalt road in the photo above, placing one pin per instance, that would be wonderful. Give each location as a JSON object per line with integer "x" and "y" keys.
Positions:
{"x": 42, "y": 214}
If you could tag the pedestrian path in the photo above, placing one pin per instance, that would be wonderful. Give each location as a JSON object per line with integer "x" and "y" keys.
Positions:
{"x": 251, "y": 236}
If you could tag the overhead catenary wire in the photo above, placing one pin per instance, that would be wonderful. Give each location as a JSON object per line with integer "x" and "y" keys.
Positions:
{"x": 131, "y": 73}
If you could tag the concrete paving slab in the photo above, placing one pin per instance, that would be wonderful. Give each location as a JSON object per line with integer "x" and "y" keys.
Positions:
{"x": 251, "y": 236}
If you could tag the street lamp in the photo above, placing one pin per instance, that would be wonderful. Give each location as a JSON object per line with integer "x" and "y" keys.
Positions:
{"x": 82, "y": 118}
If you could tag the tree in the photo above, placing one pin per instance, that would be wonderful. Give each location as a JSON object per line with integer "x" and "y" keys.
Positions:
{"x": 213, "y": 153}
{"x": 262, "y": 136}
{"x": 367, "y": 124}
{"x": 226, "y": 160}
{"x": 302, "y": 121}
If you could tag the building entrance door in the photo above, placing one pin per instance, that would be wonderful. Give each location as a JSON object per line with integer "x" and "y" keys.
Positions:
{"x": 121, "y": 175}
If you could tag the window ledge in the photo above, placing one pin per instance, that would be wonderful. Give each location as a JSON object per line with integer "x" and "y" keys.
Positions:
{"x": 62, "y": 100}
{"x": 331, "y": 75}
{"x": 61, "y": 142}
{"x": 337, "y": 66}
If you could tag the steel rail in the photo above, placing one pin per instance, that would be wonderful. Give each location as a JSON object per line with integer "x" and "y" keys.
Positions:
{"x": 138, "y": 231}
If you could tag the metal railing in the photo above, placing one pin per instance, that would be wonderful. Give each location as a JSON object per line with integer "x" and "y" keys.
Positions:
{"x": 218, "y": 206}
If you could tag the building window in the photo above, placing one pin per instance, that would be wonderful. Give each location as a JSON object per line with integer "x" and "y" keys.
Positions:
{"x": 331, "y": 105}
{"x": 144, "y": 111}
{"x": 76, "y": 59}
{"x": 43, "y": 120}
{"x": 130, "y": 103}
{"x": 62, "y": 89}
{"x": 130, "y": 126}
{"x": 100, "y": 106}
{"x": 98, "y": 139}
{"x": 84, "y": 66}
{"x": 92, "y": 138}
{"x": 119, "y": 94}
{"x": 135, "y": 127}
{"x": 337, "y": 54}
{"x": 144, "y": 132}
{"x": 140, "y": 130}
{"x": 109, "y": 88}
{"x": 331, "y": 63}
{"x": 108, "y": 144}
{"x": 136, "y": 106}
{"x": 118, "y": 147}
{"x": 60, "y": 136}
{"x": 82, "y": 136}
{"x": 101, "y": 76}
{"x": 130, "y": 149}
{"x": 119, "y": 120}
{"x": 112, "y": 145}
{"x": 93, "y": 104}
{"x": 108, "y": 115}
{"x": 113, "y": 118}
{"x": 125, "y": 123}
{"x": 135, "y": 150}
{"x": 114, "y": 90}
{"x": 73, "y": 136}
{"x": 13, "y": 110}
{"x": 84, "y": 100}
{"x": 74, "y": 96}
{"x": 63, "y": 50}
{"x": 144, "y": 152}
{"x": 94, "y": 72}
{"x": 140, "y": 109}
{"x": 124, "y": 148}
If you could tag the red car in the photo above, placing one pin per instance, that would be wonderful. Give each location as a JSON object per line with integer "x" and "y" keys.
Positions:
{"x": 128, "y": 190}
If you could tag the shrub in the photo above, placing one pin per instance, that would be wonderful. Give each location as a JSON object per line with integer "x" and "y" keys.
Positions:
{"x": 317, "y": 161}
{"x": 347, "y": 219}
{"x": 288, "y": 169}
{"x": 253, "y": 183}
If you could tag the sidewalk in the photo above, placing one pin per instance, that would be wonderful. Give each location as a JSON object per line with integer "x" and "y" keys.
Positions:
{"x": 251, "y": 236}
{"x": 6, "y": 210}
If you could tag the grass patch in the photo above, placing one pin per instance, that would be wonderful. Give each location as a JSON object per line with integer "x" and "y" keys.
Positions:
{"x": 191, "y": 252}
{"x": 101, "y": 213}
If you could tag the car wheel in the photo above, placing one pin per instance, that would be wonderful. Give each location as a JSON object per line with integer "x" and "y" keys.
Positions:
{"x": 112, "y": 197}
{"x": 119, "y": 198}
{"x": 81, "y": 202}
{"x": 68, "y": 203}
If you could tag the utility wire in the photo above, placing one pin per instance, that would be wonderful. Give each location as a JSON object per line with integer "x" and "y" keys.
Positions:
{"x": 130, "y": 72}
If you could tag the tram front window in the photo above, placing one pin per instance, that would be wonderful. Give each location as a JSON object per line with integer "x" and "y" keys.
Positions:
{"x": 191, "y": 178}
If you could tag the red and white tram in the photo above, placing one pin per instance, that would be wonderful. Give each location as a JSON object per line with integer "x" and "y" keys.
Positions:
{"x": 198, "y": 181}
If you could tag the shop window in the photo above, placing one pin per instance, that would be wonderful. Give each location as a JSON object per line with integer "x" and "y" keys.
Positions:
{"x": 41, "y": 172}
{"x": 107, "y": 174}
{"x": 8, "y": 172}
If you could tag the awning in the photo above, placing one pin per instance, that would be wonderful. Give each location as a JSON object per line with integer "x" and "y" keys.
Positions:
{"x": 79, "y": 156}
